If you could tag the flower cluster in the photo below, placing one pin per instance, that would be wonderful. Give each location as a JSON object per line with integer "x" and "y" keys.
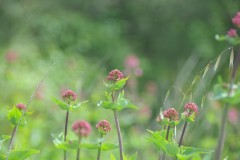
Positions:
{"x": 21, "y": 106}
{"x": 103, "y": 126}
{"x": 115, "y": 75}
{"x": 171, "y": 114}
{"x": 190, "y": 108}
{"x": 236, "y": 21}
{"x": 81, "y": 128}
{"x": 69, "y": 95}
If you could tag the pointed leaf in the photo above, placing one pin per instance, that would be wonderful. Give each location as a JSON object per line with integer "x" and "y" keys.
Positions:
{"x": 22, "y": 154}
{"x": 14, "y": 115}
{"x": 77, "y": 106}
{"x": 62, "y": 105}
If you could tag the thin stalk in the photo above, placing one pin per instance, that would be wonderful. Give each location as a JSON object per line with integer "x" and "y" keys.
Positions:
{"x": 65, "y": 134}
{"x": 168, "y": 130}
{"x": 78, "y": 150}
{"x": 11, "y": 140}
{"x": 183, "y": 131}
{"x": 222, "y": 132}
{"x": 99, "y": 148}
{"x": 118, "y": 130}
{"x": 23, "y": 114}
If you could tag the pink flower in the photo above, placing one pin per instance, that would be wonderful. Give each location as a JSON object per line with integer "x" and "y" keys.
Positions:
{"x": 81, "y": 128}
{"x": 171, "y": 114}
{"x": 103, "y": 126}
{"x": 115, "y": 75}
{"x": 233, "y": 115}
{"x": 190, "y": 108}
{"x": 232, "y": 33}
{"x": 21, "y": 106}
{"x": 236, "y": 19}
{"x": 11, "y": 56}
{"x": 69, "y": 95}
{"x": 132, "y": 61}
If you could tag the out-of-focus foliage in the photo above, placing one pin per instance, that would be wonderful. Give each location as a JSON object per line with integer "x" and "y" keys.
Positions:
{"x": 77, "y": 42}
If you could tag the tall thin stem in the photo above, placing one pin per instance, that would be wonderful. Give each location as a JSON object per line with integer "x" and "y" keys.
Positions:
{"x": 183, "y": 131}
{"x": 222, "y": 133}
{"x": 118, "y": 130}
{"x": 23, "y": 114}
{"x": 167, "y": 135}
{"x": 78, "y": 150}
{"x": 65, "y": 134}
{"x": 99, "y": 148}
{"x": 11, "y": 140}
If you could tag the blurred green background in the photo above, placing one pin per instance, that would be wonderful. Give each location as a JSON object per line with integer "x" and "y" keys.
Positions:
{"x": 79, "y": 42}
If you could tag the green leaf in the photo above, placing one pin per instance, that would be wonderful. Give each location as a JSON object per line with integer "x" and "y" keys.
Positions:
{"x": 107, "y": 105}
{"x": 61, "y": 104}
{"x": 14, "y": 115}
{"x": 190, "y": 152}
{"x": 221, "y": 93}
{"x": 112, "y": 157}
{"x": 120, "y": 84}
{"x": 159, "y": 140}
{"x": 77, "y": 106}
{"x": 190, "y": 118}
{"x": 3, "y": 138}
{"x": 108, "y": 146}
{"x": 22, "y": 154}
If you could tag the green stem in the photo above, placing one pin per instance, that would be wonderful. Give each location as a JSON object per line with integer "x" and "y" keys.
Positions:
{"x": 183, "y": 131}
{"x": 222, "y": 133}
{"x": 65, "y": 133}
{"x": 99, "y": 148}
{"x": 78, "y": 150}
{"x": 167, "y": 135}
{"x": 118, "y": 130}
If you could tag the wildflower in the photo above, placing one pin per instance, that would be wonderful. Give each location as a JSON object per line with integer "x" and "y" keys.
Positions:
{"x": 115, "y": 75}
{"x": 232, "y": 33}
{"x": 233, "y": 115}
{"x": 81, "y": 128}
{"x": 236, "y": 19}
{"x": 69, "y": 95}
{"x": 132, "y": 61}
{"x": 171, "y": 114}
{"x": 11, "y": 56}
{"x": 21, "y": 106}
{"x": 103, "y": 126}
{"x": 190, "y": 108}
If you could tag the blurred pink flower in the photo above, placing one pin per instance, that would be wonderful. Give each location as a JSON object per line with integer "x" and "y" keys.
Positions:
{"x": 232, "y": 33}
{"x": 21, "y": 106}
{"x": 151, "y": 87}
{"x": 11, "y": 56}
{"x": 236, "y": 19}
{"x": 233, "y": 115}
{"x": 115, "y": 75}
{"x": 132, "y": 61}
{"x": 81, "y": 128}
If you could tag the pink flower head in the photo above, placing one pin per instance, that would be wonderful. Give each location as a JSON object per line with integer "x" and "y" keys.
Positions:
{"x": 21, "y": 106}
{"x": 103, "y": 126}
{"x": 132, "y": 61}
{"x": 190, "y": 108}
{"x": 233, "y": 115}
{"x": 236, "y": 19}
{"x": 115, "y": 75}
{"x": 69, "y": 95}
{"x": 81, "y": 128}
{"x": 232, "y": 33}
{"x": 11, "y": 56}
{"x": 171, "y": 114}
